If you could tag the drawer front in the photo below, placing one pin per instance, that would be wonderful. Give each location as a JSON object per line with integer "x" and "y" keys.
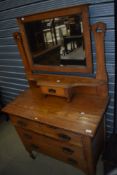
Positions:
{"x": 59, "y": 150}
{"x": 53, "y": 90}
{"x": 51, "y": 131}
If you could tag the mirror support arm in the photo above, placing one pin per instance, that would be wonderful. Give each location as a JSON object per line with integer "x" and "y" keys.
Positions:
{"x": 99, "y": 31}
{"x": 18, "y": 38}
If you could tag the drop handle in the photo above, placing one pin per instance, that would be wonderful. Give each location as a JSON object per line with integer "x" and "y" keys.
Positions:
{"x": 67, "y": 150}
{"x": 52, "y": 127}
{"x": 64, "y": 137}
{"x": 53, "y": 91}
{"x": 21, "y": 123}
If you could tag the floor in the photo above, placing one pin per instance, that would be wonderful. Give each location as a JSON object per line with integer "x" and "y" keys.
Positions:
{"x": 14, "y": 160}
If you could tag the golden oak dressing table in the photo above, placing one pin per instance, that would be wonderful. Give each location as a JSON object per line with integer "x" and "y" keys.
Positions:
{"x": 61, "y": 115}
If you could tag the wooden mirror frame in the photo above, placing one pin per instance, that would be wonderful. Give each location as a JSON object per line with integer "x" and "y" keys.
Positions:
{"x": 83, "y": 10}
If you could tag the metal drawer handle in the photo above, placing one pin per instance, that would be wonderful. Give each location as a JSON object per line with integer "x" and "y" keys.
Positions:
{"x": 22, "y": 123}
{"x": 72, "y": 161}
{"x": 52, "y": 127}
{"x": 64, "y": 137}
{"x": 27, "y": 136}
{"x": 67, "y": 150}
{"x": 53, "y": 91}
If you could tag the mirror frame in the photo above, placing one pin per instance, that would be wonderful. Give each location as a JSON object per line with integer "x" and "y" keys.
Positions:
{"x": 81, "y": 9}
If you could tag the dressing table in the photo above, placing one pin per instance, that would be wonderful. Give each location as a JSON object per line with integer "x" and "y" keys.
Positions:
{"x": 61, "y": 115}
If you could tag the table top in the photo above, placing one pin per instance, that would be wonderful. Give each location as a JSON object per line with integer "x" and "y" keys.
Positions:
{"x": 82, "y": 115}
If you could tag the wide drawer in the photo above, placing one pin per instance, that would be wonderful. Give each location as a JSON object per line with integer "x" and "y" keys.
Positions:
{"x": 59, "y": 150}
{"x": 48, "y": 130}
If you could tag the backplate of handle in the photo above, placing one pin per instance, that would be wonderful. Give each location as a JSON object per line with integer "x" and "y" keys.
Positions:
{"x": 53, "y": 127}
{"x": 67, "y": 150}
{"x": 64, "y": 137}
{"x": 53, "y": 91}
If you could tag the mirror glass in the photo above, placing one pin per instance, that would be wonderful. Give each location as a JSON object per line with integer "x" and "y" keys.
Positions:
{"x": 56, "y": 41}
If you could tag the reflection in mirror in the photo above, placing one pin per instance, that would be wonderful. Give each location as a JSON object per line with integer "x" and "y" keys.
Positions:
{"x": 57, "y": 41}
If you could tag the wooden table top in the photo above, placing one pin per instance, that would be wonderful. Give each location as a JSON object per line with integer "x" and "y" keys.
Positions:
{"x": 82, "y": 115}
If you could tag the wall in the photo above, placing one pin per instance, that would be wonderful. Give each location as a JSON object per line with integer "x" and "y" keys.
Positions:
{"x": 12, "y": 74}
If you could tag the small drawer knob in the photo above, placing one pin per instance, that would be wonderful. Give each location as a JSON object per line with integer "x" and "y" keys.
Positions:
{"x": 64, "y": 137}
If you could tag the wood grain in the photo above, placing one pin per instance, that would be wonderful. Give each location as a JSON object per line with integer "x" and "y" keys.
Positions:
{"x": 72, "y": 132}
{"x": 53, "y": 110}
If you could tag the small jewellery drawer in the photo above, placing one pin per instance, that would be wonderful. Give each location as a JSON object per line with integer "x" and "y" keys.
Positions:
{"x": 58, "y": 91}
{"x": 48, "y": 130}
{"x": 59, "y": 150}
